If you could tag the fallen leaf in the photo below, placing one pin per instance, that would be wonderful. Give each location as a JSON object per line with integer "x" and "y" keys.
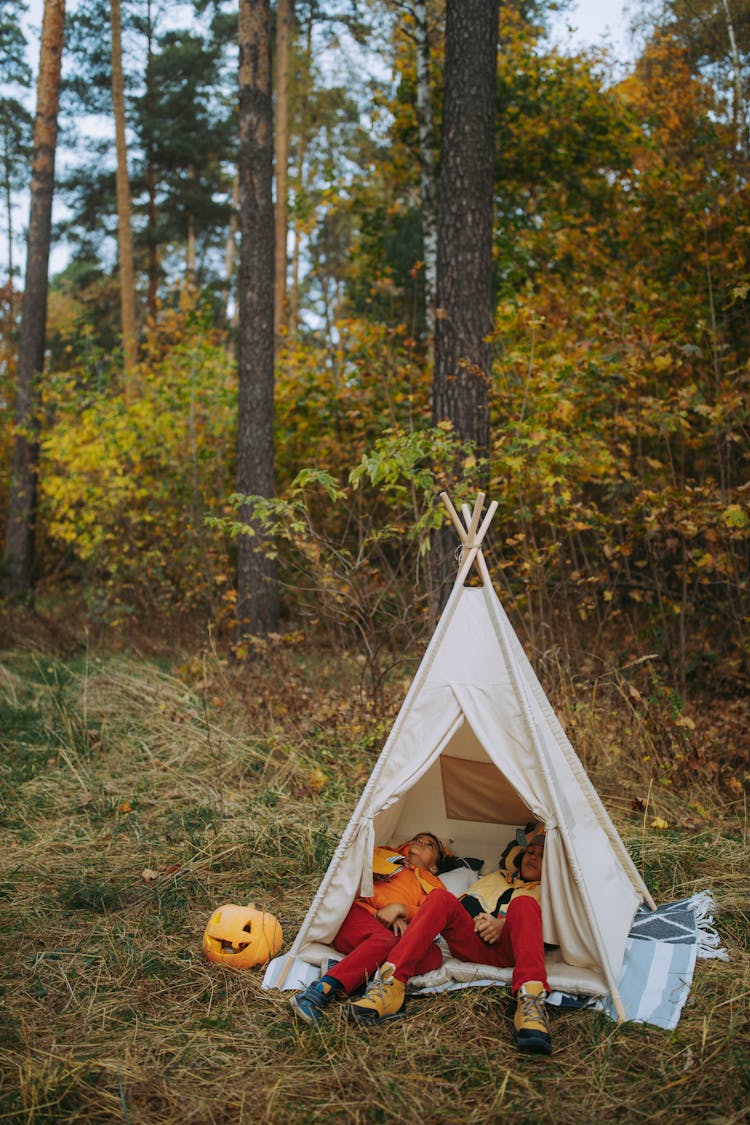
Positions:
{"x": 317, "y": 780}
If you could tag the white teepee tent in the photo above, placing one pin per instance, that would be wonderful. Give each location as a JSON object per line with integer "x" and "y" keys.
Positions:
{"x": 475, "y": 751}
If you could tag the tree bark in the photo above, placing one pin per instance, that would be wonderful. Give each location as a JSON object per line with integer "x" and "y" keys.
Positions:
{"x": 302, "y": 114}
{"x": 464, "y": 284}
{"x": 190, "y": 249}
{"x": 229, "y": 264}
{"x": 464, "y": 313}
{"x": 151, "y": 235}
{"x": 426, "y": 162}
{"x": 20, "y": 533}
{"x": 8, "y": 192}
{"x": 124, "y": 231}
{"x": 257, "y": 586}
{"x": 738, "y": 101}
{"x": 284, "y": 21}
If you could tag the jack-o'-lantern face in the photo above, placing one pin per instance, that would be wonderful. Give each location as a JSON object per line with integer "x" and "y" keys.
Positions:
{"x": 241, "y": 936}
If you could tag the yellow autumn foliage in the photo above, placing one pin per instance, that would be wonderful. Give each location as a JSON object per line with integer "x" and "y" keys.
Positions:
{"x": 125, "y": 486}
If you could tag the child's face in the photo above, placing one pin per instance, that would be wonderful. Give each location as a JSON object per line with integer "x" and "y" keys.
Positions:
{"x": 531, "y": 864}
{"x": 423, "y": 852}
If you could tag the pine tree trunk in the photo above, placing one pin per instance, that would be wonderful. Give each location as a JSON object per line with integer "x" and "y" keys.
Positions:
{"x": 293, "y": 300}
{"x": 426, "y": 161}
{"x": 257, "y": 587}
{"x": 124, "y": 231}
{"x": 464, "y": 314}
{"x": 284, "y": 20}
{"x": 20, "y": 535}
{"x": 293, "y": 297}
{"x": 190, "y": 250}
{"x": 229, "y": 261}
{"x": 151, "y": 214}
{"x": 8, "y": 192}
{"x": 152, "y": 293}
{"x": 738, "y": 101}
{"x": 464, "y": 285}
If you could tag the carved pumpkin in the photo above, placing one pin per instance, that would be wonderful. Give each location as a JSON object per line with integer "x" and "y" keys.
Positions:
{"x": 241, "y": 936}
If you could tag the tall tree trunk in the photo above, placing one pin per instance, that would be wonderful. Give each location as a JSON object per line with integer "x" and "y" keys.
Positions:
{"x": 284, "y": 22}
{"x": 151, "y": 235}
{"x": 152, "y": 293}
{"x": 19, "y": 548}
{"x": 293, "y": 302}
{"x": 738, "y": 100}
{"x": 190, "y": 251}
{"x": 230, "y": 251}
{"x": 257, "y": 585}
{"x": 464, "y": 314}
{"x": 8, "y": 192}
{"x": 428, "y": 182}
{"x": 124, "y": 232}
{"x": 293, "y": 297}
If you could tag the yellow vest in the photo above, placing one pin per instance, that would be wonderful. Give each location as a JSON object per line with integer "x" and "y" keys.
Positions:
{"x": 492, "y": 887}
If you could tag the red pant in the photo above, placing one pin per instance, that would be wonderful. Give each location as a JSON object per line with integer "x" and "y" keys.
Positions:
{"x": 520, "y": 944}
{"x": 368, "y": 943}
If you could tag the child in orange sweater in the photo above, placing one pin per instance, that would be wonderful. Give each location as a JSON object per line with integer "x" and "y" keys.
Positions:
{"x": 402, "y": 879}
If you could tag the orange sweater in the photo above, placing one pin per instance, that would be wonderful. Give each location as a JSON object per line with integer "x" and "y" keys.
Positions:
{"x": 409, "y": 885}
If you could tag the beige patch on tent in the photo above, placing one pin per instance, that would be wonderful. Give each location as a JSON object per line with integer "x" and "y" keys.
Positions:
{"x": 477, "y": 791}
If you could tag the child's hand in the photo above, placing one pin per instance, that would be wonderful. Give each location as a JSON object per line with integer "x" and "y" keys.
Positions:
{"x": 393, "y": 916}
{"x": 488, "y": 927}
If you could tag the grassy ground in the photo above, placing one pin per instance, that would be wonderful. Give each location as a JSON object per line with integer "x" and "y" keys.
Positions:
{"x": 136, "y": 797}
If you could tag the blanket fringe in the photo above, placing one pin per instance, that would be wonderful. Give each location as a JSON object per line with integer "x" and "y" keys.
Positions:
{"x": 709, "y": 941}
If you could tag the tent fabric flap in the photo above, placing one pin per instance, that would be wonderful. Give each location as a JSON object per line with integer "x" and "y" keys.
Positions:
{"x": 431, "y": 722}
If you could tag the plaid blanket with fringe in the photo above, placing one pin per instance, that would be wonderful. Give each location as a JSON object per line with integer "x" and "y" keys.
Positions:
{"x": 660, "y": 955}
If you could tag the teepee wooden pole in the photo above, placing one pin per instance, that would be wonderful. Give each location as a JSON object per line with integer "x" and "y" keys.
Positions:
{"x": 447, "y": 503}
{"x": 487, "y": 521}
{"x": 467, "y": 562}
{"x": 471, "y": 533}
{"x": 476, "y": 516}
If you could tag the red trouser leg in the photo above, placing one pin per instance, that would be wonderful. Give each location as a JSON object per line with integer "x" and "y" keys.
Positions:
{"x": 520, "y": 943}
{"x": 367, "y": 943}
{"x": 522, "y": 937}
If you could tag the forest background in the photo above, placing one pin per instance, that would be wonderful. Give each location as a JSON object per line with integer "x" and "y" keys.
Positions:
{"x": 154, "y": 762}
{"x": 619, "y": 352}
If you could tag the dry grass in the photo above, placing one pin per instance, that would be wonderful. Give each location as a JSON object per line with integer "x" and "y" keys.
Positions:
{"x": 232, "y": 785}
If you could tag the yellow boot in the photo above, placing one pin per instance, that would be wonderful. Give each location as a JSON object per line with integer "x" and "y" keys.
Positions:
{"x": 383, "y": 1000}
{"x": 531, "y": 1031}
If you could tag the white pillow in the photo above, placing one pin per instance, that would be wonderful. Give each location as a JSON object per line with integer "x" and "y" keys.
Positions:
{"x": 459, "y": 880}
